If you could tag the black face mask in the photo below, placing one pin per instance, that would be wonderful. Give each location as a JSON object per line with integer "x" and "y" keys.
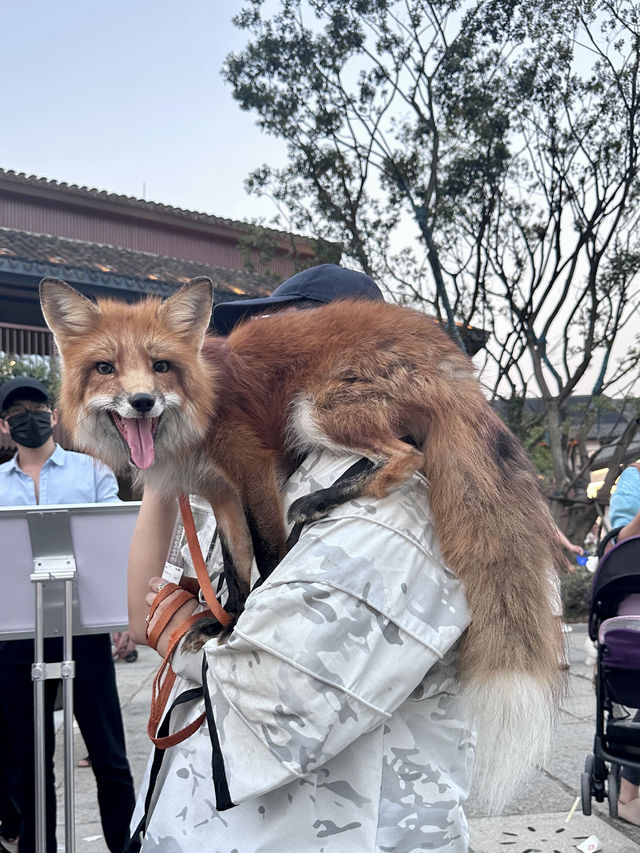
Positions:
{"x": 30, "y": 429}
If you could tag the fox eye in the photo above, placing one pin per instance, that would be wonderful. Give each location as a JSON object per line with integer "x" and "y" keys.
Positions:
{"x": 161, "y": 366}
{"x": 104, "y": 367}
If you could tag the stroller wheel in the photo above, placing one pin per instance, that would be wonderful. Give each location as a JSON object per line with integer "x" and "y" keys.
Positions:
{"x": 585, "y": 792}
{"x": 589, "y": 761}
{"x": 613, "y": 789}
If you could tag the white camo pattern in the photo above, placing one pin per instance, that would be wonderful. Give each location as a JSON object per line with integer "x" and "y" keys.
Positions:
{"x": 335, "y": 699}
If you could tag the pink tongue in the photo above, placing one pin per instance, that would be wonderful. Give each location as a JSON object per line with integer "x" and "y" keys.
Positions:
{"x": 138, "y": 434}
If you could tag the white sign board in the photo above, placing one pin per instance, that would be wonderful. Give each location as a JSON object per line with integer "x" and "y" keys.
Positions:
{"x": 98, "y": 537}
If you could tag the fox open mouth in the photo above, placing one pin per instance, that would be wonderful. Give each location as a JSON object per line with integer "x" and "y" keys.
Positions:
{"x": 138, "y": 433}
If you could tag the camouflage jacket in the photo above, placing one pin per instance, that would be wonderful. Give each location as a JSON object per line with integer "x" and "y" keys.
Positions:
{"x": 334, "y": 716}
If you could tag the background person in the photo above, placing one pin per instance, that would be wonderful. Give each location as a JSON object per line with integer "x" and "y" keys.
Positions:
{"x": 569, "y": 546}
{"x": 624, "y": 512}
{"x": 334, "y": 715}
{"x": 624, "y": 505}
{"x": 10, "y": 818}
{"x": 570, "y": 567}
{"x": 43, "y": 473}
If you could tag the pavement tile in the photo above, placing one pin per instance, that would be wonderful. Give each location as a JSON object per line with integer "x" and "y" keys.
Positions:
{"x": 540, "y": 792}
{"x": 545, "y": 833}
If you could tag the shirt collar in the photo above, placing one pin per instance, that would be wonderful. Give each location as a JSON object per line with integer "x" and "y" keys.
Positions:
{"x": 57, "y": 457}
{"x": 12, "y": 464}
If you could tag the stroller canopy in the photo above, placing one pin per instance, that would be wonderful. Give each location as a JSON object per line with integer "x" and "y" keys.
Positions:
{"x": 617, "y": 576}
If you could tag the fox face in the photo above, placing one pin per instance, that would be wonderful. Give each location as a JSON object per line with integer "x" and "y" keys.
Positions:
{"x": 136, "y": 391}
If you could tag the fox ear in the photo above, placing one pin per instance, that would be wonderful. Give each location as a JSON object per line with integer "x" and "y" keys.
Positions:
{"x": 66, "y": 311}
{"x": 188, "y": 310}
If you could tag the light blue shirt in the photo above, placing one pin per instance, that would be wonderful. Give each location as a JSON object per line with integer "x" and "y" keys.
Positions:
{"x": 625, "y": 501}
{"x": 66, "y": 478}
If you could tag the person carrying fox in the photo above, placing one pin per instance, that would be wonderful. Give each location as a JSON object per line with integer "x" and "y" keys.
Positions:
{"x": 335, "y": 717}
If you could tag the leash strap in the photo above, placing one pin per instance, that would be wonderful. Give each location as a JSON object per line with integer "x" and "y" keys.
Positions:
{"x": 356, "y": 470}
{"x": 135, "y": 841}
{"x": 182, "y": 596}
{"x": 199, "y": 564}
{"x": 165, "y": 677}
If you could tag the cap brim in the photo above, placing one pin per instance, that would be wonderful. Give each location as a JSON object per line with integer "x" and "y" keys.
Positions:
{"x": 227, "y": 314}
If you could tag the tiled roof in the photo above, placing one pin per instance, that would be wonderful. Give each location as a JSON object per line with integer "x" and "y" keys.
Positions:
{"x": 610, "y": 414}
{"x": 43, "y": 254}
{"x": 632, "y": 454}
{"x": 20, "y": 179}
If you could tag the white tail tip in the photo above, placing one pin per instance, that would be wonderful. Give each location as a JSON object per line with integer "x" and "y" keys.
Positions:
{"x": 515, "y": 718}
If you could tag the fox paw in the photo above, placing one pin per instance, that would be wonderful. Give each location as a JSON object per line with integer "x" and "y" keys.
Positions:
{"x": 312, "y": 507}
{"x": 204, "y": 630}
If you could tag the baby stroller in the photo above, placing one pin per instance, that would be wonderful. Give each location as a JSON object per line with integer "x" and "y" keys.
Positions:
{"x": 614, "y": 624}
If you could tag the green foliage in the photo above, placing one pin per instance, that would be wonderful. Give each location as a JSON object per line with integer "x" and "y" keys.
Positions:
{"x": 530, "y": 429}
{"x": 261, "y": 242}
{"x": 385, "y": 93}
{"x": 43, "y": 368}
{"x": 540, "y": 456}
{"x": 326, "y": 252}
{"x": 576, "y": 594}
{"x": 480, "y": 159}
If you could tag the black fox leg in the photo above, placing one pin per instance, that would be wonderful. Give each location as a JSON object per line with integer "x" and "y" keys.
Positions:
{"x": 351, "y": 484}
{"x": 208, "y": 627}
{"x": 235, "y": 595}
{"x": 267, "y": 553}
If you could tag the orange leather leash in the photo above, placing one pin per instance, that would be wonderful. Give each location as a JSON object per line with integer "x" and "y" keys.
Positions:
{"x": 165, "y": 676}
{"x": 199, "y": 564}
{"x": 165, "y": 679}
{"x": 182, "y": 596}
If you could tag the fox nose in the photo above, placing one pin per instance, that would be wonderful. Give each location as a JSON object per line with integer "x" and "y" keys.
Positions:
{"x": 142, "y": 403}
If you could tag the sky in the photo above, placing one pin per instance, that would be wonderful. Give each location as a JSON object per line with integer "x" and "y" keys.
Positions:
{"x": 127, "y": 96}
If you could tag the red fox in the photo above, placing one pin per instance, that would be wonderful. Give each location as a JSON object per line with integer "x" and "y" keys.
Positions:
{"x": 220, "y": 417}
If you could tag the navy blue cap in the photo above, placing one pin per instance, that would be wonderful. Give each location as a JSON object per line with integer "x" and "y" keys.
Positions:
{"x": 22, "y": 385}
{"x": 324, "y": 283}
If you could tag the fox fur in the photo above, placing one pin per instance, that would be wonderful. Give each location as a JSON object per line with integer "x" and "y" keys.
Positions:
{"x": 225, "y": 413}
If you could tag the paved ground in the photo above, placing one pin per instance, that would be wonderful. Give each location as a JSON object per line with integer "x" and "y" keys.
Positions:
{"x": 534, "y": 823}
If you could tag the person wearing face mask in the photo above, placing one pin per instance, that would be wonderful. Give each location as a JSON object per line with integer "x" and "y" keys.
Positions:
{"x": 42, "y": 472}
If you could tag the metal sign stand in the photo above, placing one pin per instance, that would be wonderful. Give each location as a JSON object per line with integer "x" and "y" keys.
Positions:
{"x": 49, "y": 570}
{"x": 75, "y": 556}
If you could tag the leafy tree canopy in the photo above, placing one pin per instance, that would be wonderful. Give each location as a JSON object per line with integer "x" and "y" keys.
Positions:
{"x": 479, "y": 158}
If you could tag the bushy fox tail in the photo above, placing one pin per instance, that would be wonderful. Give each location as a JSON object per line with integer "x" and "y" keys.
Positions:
{"x": 497, "y": 534}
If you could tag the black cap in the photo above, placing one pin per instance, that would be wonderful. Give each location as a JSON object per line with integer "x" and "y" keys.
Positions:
{"x": 22, "y": 387}
{"x": 324, "y": 283}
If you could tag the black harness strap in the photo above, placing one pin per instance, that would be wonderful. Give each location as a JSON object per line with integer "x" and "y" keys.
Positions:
{"x": 354, "y": 472}
{"x": 163, "y": 731}
{"x": 218, "y": 772}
